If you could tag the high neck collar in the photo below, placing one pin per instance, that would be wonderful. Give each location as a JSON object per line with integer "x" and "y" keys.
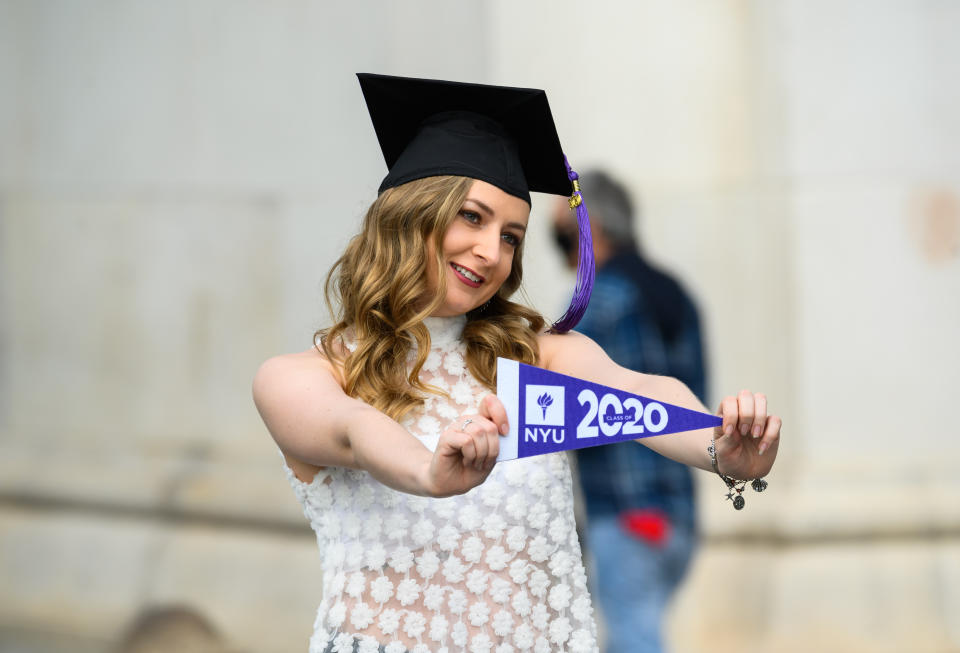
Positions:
{"x": 445, "y": 330}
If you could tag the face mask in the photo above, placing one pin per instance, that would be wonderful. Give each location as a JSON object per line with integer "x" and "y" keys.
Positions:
{"x": 564, "y": 241}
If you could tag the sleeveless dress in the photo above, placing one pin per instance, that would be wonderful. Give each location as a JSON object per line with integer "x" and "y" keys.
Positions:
{"x": 495, "y": 570}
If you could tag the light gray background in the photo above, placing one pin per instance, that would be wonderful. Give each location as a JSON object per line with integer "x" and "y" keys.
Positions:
{"x": 177, "y": 177}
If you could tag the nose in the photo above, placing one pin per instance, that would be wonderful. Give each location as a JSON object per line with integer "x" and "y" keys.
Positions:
{"x": 487, "y": 246}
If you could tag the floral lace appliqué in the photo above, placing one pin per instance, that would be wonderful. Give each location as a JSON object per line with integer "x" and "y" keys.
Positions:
{"x": 494, "y": 570}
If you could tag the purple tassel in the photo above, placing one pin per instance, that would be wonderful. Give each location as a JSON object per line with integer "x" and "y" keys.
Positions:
{"x": 585, "y": 265}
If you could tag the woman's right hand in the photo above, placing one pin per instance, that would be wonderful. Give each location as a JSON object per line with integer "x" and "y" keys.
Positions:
{"x": 468, "y": 449}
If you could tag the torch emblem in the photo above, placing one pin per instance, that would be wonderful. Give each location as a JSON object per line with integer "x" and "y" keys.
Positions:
{"x": 544, "y": 401}
{"x": 544, "y": 404}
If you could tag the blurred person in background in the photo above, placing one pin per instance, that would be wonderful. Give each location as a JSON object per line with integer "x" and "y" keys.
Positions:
{"x": 640, "y": 511}
{"x": 171, "y": 629}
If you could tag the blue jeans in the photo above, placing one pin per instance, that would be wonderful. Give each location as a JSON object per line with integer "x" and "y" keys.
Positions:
{"x": 633, "y": 581}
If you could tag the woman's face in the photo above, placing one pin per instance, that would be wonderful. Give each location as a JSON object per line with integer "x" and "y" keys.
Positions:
{"x": 478, "y": 248}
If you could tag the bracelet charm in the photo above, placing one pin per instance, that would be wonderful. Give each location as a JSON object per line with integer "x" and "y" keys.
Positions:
{"x": 735, "y": 487}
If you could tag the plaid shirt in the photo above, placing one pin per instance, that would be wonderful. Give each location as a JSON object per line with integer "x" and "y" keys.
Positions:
{"x": 646, "y": 322}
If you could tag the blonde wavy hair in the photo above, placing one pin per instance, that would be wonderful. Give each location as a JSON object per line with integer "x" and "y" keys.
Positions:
{"x": 379, "y": 287}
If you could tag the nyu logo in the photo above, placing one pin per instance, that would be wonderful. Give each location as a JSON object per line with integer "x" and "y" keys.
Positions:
{"x": 544, "y": 405}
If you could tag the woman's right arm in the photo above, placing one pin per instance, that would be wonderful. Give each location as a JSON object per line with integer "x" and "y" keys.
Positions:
{"x": 314, "y": 421}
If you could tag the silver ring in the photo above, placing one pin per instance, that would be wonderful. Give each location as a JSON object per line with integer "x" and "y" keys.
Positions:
{"x": 467, "y": 422}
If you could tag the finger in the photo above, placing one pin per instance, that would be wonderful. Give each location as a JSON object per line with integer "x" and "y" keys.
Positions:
{"x": 759, "y": 414}
{"x": 729, "y": 412}
{"x": 493, "y": 444}
{"x": 487, "y": 431}
{"x": 468, "y": 450}
{"x": 492, "y": 408}
{"x": 480, "y": 442}
{"x": 463, "y": 422}
{"x": 746, "y": 405}
{"x": 771, "y": 436}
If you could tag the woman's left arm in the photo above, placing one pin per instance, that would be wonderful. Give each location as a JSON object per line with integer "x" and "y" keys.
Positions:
{"x": 746, "y": 442}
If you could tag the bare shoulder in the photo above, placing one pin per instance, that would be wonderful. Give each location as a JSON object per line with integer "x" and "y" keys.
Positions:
{"x": 294, "y": 370}
{"x": 299, "y": 370}
{"x": 570, "y": 353}
{"x": 302, "y": 403}
{"x": 577, "y": 355}
{"x": 561, "y": 345}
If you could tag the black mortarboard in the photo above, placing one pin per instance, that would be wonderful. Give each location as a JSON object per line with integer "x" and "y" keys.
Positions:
{"x": 499, "y": 134}
{"x": 502, "y": 135}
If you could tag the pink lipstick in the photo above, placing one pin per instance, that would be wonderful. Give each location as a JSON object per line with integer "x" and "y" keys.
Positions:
{"x": 466, "y": 275}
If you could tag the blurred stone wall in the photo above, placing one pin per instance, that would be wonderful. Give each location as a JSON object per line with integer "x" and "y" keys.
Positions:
{"x": 176, "y": 178}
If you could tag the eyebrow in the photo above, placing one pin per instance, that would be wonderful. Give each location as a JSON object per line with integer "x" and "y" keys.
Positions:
{"x": 488, "y": 210}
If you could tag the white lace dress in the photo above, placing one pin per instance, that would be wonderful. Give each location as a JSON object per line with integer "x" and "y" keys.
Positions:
{"x": 497, "y": 569}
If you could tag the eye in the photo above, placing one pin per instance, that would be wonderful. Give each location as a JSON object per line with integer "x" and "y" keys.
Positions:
{"x": 470, "y": 216}
{"x": 511, "y": 239}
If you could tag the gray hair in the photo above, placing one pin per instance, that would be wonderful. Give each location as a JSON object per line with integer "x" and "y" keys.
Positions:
{"x": 610, "y": 206}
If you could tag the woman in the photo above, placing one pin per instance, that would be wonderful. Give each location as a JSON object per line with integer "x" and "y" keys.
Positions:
{"x": 388, "y": 426}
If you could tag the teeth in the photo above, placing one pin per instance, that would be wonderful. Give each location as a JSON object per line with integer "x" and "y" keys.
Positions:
{"x": 467, "y": 273}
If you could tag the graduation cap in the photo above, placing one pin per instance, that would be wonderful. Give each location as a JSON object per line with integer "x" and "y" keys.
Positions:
{"x": 498, "y": 134}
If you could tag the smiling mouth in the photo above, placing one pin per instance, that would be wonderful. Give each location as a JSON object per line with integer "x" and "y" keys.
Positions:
{"x": 467, "y": 275}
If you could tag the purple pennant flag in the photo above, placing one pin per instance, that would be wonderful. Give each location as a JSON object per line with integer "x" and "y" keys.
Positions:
{"x": 554, "y": 412}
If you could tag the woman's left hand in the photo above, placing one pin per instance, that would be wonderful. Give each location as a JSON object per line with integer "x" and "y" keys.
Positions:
{"x": 748, "y": 439}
